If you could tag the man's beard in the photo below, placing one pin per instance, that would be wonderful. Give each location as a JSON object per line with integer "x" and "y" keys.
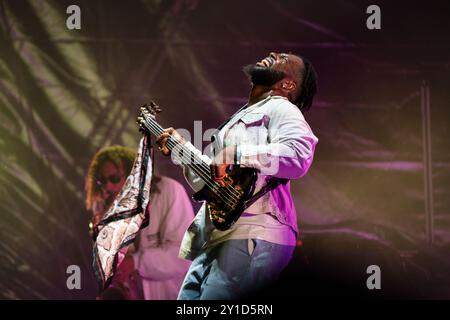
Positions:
{"x": 263, "y": 76}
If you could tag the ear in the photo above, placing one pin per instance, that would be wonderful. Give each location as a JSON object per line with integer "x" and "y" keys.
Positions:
{"x": 288, "y": 85}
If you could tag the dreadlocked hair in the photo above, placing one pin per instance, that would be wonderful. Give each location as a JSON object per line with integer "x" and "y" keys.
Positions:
{"x": 308, "y": 80}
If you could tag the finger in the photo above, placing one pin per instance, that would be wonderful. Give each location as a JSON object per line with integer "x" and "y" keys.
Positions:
{"x": 162, "y": 137}
{"x": 217, "y": 173}
{"x": 165, "y": 151}
{"x": 212, "y": 171}
{"x": 221, "y": 171}
{"x": 220, "y": 182}
{"x": 169, "y": 130}
{"x": 163, "y": 145}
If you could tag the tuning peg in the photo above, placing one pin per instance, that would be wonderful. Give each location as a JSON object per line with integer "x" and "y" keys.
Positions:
{"x": 154, "y": 108}
{"x": 140, "y": 121}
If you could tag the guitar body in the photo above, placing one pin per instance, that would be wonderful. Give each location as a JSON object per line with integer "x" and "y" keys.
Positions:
{"x": 222, "y": 213}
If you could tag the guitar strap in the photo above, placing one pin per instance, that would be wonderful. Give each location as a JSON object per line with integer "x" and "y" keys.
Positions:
{"x": 271, "y": 184}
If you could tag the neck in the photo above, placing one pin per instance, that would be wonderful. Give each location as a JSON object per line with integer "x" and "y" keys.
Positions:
{"x": 258, "y": 93}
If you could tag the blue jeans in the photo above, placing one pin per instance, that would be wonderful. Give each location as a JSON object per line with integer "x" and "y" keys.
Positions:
{"x": 234, "y": 269}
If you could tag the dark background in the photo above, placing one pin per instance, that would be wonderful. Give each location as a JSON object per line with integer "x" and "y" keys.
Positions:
{"x": 66, "y": 93}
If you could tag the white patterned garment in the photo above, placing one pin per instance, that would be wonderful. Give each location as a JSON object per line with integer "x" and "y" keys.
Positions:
{"x": 126, "y": 216}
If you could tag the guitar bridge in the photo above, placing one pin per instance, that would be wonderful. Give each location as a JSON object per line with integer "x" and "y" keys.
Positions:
{"x": 217, "y": 213}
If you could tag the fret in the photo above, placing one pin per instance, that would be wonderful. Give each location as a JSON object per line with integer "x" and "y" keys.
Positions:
{"x": 186, "y": 155}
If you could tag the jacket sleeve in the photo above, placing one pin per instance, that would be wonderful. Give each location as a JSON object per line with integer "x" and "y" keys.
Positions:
{"x": 290, "y": 150}
{"x": 161, "y": 262}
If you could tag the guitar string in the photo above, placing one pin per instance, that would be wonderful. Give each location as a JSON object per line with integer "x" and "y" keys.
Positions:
{"x": 233, "y": 197}
{"x": 222, "y": 192}
{"x": 213, "y": 186}
{"x": 204, "y": 175}
{"x": 231, "y": 192}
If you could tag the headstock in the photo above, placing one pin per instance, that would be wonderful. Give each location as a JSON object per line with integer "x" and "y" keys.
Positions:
{"x": 147, "y": 111}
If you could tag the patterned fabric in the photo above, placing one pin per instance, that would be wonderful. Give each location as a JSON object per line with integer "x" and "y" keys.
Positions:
{"x": 124, "y": 219}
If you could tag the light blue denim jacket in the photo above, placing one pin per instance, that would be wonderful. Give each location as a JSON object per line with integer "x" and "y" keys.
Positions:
{"x": 273, "y": 137}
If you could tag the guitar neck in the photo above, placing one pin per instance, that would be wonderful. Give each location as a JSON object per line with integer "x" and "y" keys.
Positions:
{"x": 187, "y": 156}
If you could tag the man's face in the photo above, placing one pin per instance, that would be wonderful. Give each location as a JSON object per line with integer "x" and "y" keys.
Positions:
{"x": 110, "y": 181}
{"x": 273, "y": 68}
{"x": 289, "y": 64}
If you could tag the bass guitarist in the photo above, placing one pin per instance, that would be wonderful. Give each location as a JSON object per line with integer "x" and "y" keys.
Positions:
{"x": 269, "y": 134}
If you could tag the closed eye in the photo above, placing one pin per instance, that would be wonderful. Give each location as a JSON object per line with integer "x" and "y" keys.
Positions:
{"x": 284, "y": 56}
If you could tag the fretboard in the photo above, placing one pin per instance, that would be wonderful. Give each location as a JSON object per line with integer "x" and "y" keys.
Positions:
{"x": 187, "y": 156}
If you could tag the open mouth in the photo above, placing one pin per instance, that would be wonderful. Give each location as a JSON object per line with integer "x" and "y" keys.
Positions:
{"x": 266, "y": 62}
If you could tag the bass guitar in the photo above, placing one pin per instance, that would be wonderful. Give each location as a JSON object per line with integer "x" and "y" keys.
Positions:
{"x": 225, "y": 203}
